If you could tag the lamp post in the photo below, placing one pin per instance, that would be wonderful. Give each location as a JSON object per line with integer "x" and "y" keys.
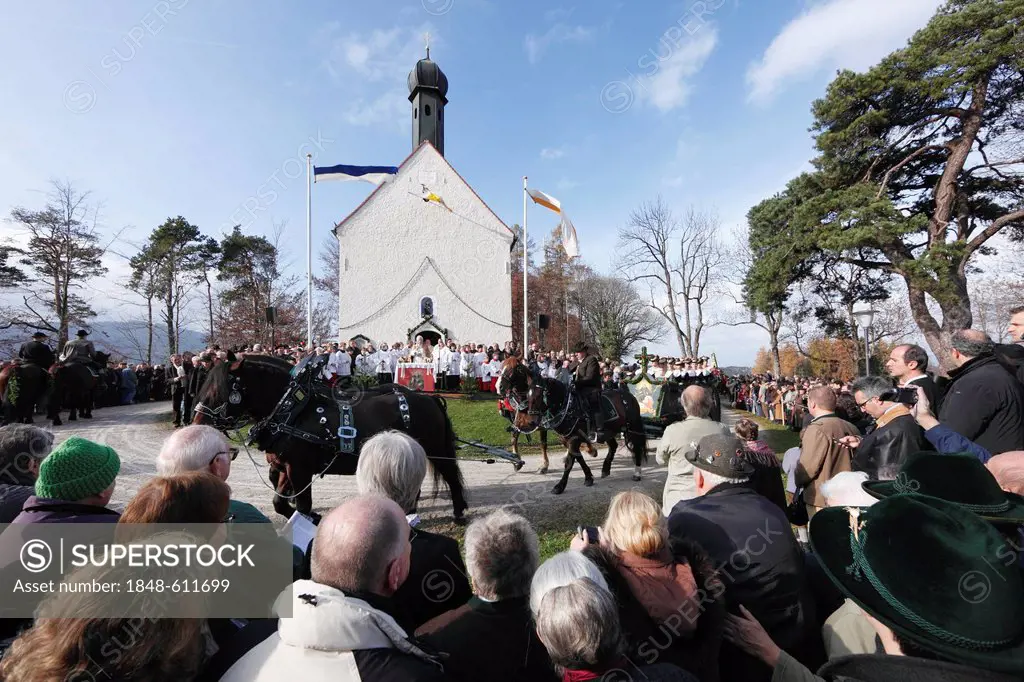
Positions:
{"x": 864, "y": 318}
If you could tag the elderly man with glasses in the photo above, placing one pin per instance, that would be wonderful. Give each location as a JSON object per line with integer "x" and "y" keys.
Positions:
{"x": 204, "y": 448}
{"x": 895, "y": 437}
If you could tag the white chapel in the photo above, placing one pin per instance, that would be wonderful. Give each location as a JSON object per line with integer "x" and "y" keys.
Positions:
{"x": 423, "y": 254}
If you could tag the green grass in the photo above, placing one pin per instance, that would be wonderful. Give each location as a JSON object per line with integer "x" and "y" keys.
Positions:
{"x": 478, "y": 420}
{"x": 778, "y": 436}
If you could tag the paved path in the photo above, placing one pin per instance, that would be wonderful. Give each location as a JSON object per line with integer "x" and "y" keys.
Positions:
{"x": 137, "y": 431}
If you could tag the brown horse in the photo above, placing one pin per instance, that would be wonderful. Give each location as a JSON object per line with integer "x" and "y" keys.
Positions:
{"x": 513, "y": 386}
{"x": 551, "y": 404}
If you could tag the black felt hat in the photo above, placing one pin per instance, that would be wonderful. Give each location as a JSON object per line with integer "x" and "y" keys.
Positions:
{"x": 39, "y": 335}
{"x": 961, "y": 479}
{"x": 934, "y": 573}
{"x": 580, "y": 347}
{"x": 82, "y": 332}
{"x": 721, "y": 454}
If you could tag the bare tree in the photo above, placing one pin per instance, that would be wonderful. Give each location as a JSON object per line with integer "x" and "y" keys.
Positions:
{"x": 63, "y": 253}
{"x": 615, "y": 315}
{"x": 698, "y": 272}
{"x": 770, "y": 317}
{"x": 646, "y": 248}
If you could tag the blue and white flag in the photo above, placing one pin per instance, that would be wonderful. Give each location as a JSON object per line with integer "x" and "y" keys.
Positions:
{"x": 373, "y": 174}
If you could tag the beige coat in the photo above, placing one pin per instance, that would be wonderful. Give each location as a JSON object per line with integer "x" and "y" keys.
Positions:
{"x": 821, "y": 457}
{"x": 679, "y": 439}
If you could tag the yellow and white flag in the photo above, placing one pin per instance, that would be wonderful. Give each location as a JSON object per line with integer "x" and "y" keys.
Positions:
{"x": 570, "y": 242}
{"x": 430, "y": 197}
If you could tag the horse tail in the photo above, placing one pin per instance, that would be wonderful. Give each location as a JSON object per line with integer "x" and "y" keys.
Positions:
{"x": 448, "y": 464}
{"x": 636, "y": 435}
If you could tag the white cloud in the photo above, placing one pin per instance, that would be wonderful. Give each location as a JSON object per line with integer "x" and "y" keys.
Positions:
{"x": 552, "y": 153}
{"x": 537, "y": 45}
{"x": 387, "y": 109}
{"x": 669, "y": 86}
{"x": 676, "y": 181}
{"x": 566, "y": 185}
{"x": 837, "y": 34}
{"x": 377, "y": 56}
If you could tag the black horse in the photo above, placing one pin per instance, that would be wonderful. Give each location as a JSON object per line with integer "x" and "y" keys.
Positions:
{"x": 553, "y": 405}
{"x": 307, "y": 443}
{"x": 513, "y": 387}
{"x": 22, "y": 386}
{"x": 74, "y": 387}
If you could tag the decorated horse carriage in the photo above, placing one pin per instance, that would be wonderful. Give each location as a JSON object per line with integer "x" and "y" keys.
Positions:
{"x": 660, "y": 397}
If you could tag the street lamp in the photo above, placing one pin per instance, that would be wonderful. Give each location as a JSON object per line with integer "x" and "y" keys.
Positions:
{"x": 864, "y": 318}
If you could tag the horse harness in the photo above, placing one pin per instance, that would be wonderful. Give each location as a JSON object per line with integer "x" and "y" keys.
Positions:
{"x": 305, "y": 388}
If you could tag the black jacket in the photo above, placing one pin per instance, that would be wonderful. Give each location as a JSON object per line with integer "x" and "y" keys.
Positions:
{"x": 759, "y": 561}
{"x": 882, "y": 452}
{"x": 883, "y": 668}
{"x": 38, "y": 353}
{"x": 931, "y": 390}
{"x": 588, "y": 373}
{"x": 12, "y": 499}
{"x": 985, "y": 403}
{"x": 493, "y": 640}
{"x": 437, "y": 579}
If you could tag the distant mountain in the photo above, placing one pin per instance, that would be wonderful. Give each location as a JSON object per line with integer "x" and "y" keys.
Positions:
{"x": 128, "y": 339}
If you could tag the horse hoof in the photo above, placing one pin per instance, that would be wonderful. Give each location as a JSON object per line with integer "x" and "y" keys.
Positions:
{"x": 589, "y": 483}
{"x": 558, "y": 489}
{"x": 637, "y": 478}
{"x": 605, "y": 473}
{"x": 519, "y": 465}
{"x": 542, "y": 470}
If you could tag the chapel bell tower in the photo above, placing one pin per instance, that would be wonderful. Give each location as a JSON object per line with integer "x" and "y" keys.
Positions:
{"x": 428, "y": 87}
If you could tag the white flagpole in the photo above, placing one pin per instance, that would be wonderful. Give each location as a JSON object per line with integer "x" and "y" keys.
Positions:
{"x": 526, "y": 277}
{"x": 309, "y": 253}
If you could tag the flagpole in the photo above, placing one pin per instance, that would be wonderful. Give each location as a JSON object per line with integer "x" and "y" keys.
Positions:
{"x": 526, "y": 277}
{"x": 309, "y": 253}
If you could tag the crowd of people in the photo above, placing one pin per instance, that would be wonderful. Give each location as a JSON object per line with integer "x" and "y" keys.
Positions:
{"x": 712, "y": 585}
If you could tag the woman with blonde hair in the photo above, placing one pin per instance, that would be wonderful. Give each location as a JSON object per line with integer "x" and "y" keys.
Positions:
{"x": 669, "y": 596}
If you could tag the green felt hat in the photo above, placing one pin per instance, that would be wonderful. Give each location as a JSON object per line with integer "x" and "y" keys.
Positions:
{"x": 77, "y": 469}
{"x": 961, "y": 479}
{"x": 936, "y": 574}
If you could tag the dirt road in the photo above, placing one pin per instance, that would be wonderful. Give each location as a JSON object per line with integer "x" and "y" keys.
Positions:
{"x": 137, "y": 431}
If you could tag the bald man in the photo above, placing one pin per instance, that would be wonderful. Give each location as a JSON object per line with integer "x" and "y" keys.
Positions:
{"x": 984, "y": 402}
{"x": 681, "y": 438}
{"x": 340, "y": 627}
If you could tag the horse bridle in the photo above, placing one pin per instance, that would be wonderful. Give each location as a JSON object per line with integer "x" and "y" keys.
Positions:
{"x": 221, "y": 420}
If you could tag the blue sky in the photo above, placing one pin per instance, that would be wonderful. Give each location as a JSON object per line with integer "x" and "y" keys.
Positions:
{"x": 202, "y": 108}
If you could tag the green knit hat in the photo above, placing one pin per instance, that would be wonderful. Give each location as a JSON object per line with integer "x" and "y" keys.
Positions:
{"x": 77, "y": 469}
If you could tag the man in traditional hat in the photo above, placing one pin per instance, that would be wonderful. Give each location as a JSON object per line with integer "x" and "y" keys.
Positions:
{"x": 932, "y": 578}
{"x": 37, "y": 352}
{"x": 80, "y": 350}
{"x": 588, "y": 385}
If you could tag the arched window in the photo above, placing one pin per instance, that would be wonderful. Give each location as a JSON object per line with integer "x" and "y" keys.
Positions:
{"x": 426, "y": 307}
{"x": 426, "y": 110}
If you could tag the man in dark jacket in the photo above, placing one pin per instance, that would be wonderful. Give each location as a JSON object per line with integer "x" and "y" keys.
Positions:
{"x": 22, "y": 448}
{"x": 394, "y": 465}
{"x": 587, "y": 380}
{"x": 37, "y": 352}
{"x": 984, "y": 402}
{"x": 752, "y": 547}
{"x": 896, "y": 436}
{"x": 492, "y": 636}
{"x": 908, "y": 364}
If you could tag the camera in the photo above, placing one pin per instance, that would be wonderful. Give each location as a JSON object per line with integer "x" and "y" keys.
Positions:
{"x": 907, "y": 395}
{"x": 588, "y": 533}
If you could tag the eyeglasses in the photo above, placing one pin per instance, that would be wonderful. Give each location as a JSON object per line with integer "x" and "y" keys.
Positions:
{"x": 231, "y": 452}
{"x": 861, "y": 405}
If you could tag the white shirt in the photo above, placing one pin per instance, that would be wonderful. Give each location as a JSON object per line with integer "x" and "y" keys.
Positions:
{"x": 342, "y": 363}
{"x": 382, "y": 362}
{"x": 479, "y": 360}
{"x": 454, "y": 362}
